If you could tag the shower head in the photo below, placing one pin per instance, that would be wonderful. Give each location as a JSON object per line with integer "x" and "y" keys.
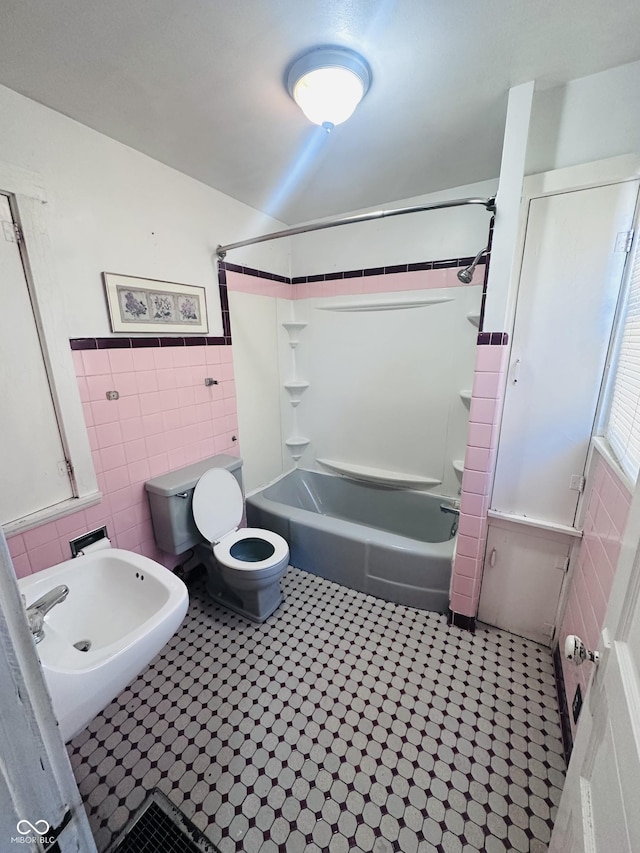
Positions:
{"x": 466, "y": 274}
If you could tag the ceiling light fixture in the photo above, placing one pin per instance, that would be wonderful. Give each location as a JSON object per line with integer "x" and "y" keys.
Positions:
{"x": 328, "y": 83}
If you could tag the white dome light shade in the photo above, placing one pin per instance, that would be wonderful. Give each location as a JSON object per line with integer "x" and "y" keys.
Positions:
{"x": 328, "y": 84}
{"x": 328, "y": 95}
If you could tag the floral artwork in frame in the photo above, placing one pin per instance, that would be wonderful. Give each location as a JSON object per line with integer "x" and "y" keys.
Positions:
{"x": 159, "y": 307}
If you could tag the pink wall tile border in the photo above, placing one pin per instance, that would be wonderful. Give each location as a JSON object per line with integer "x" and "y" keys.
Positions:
{"x": 165, "y": 418}
{"x": 608, "y": 504}
{"x": 241, "y": 283}
{"x": 477, "y": 478}
{"x": 385, "y": 282}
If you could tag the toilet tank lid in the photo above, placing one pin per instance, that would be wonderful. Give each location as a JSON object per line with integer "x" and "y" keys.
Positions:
{"x": 184, "y": 479}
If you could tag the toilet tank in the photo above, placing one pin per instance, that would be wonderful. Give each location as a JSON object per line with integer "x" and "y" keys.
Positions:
{"x": 170, "y": 497}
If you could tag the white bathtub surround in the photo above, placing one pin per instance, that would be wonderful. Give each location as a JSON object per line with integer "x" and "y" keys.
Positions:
{"x": 294, "y": 329}
{"x": 377, "y": 475}
{"x": 294, "y": 384}
{"x": 368, "y": 374}
{"x": 384, "y": 372}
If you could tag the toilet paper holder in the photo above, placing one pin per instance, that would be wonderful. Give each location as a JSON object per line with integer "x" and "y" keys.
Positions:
{"x": 80, "y": 543}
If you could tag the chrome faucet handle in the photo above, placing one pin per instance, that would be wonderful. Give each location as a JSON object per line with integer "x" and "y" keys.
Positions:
{"x": 39, "y": 609}
{"x": 35, "y": 618}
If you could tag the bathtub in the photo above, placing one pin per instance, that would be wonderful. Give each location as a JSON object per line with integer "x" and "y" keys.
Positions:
{"x": 392, "y": 543}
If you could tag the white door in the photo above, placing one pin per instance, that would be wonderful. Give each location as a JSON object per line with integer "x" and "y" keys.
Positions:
{"x": 600, "y": 806}
{"x": 39, "y": 798}
{"x": 523, "y": 572}
{"x": 571, "y": 272}
{"x": 33, "y": 473}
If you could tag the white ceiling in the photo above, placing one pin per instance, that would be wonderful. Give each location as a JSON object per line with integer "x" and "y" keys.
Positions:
{"x": 198, "y": 84}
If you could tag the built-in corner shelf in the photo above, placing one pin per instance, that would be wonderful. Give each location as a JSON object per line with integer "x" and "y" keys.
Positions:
{"x": 474, "y": 318}
{"x": 465, "y": 396}
{"x": 378, "y": 475}
{"x": 297, "y": 445}
{"x": 296, "y": 390}
{"x": 458, "y": 466}
{"x": 294, "y": 327}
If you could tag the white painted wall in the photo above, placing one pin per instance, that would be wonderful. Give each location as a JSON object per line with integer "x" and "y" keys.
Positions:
{"x": 114, "y": 209}
{"x": 588, "y": 119}
{"x": 110, "y": 208}
{"x": 255, "y": 331}
{"x": 504, "y": 248}
{"x": 432, "y": 235}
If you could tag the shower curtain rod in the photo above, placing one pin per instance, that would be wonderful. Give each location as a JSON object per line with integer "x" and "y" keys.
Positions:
{"x": 488, "y": 203}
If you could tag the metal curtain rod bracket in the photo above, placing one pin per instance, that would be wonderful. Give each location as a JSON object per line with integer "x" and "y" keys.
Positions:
{"x": 488, "y": 203}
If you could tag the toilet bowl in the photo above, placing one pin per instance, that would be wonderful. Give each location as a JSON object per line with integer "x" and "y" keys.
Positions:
{"x": 244, "y": 565}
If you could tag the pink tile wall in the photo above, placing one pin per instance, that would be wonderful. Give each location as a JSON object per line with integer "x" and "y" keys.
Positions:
{"x": 592, "y": 576}
{"x": 479, "y": 464}
{"x": 389, "y": 283}
{"x": 243, "y": 283}
{"x": 165, "y": 418}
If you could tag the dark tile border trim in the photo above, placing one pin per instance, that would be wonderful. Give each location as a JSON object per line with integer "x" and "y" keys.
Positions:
{"x": 565, "y": 725}
{"x": 467, "y": 623}
{"x": 174, "y": 341}
{"x": 141, "y": 343}
{"x": 226, "y": 338}
{"x": 495, "y": 339}
{"x": 223, "y": 266}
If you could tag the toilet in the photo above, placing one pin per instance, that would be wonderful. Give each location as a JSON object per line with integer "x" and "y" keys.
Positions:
{"x": 200, "y": 507}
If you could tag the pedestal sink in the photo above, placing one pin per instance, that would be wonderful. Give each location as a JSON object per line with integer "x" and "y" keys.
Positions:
{"x": 121, "y": 609}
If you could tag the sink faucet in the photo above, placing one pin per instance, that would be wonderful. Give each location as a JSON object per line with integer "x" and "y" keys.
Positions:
{"x": 39, "y": 609}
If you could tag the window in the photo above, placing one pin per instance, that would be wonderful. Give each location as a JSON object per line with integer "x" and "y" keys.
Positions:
{"x": 623, "y": 423}
{"x": 45, "y": 396}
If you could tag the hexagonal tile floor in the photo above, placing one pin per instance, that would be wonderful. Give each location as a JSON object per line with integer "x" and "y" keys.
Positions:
{"x": 344, "y": 723}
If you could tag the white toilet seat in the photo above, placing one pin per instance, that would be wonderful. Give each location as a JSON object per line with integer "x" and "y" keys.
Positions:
{"x": 217, "y": 510}
{"x": 217, "y": 504}
{"x": 222, "y": 550}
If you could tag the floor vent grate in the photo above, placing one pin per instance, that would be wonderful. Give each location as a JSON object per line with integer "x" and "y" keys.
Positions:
{"x": 160, "y": 827}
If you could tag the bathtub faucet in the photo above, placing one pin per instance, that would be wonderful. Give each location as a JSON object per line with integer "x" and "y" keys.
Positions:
{"x": 39, "y": 609}
{"x": 455, "y": 512}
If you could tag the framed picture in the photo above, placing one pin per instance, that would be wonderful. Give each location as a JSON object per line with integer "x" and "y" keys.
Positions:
{"x": 144, "y": 305}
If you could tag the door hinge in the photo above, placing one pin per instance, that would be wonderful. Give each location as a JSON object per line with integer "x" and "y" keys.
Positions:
{"x": 12, "y": 232}
{"x": 564, "y": 565}
{"x": 65, "y": 468}
{"x": 624, "y": 241}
